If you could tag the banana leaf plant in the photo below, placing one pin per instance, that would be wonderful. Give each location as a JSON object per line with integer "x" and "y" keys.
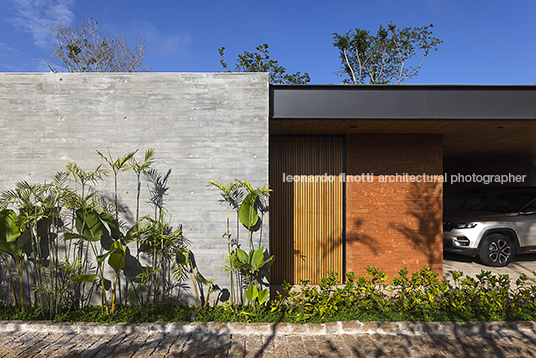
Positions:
{"x": 184, "y": 263}
{"x": 84, "y": 278}
{"x": 251, "y": 266}
{"x": 11, "y": 244}
{"x": 253, "y": 294}
{"x": 91, "y": 226}
{"x": 229, "y": 192}
{"x": 116, "y": 260}
{"x": 248, "y": 213}
{"x": 253, "y": 262}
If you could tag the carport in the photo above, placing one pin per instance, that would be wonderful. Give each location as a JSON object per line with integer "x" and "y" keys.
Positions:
{"x": 377, "y": 132}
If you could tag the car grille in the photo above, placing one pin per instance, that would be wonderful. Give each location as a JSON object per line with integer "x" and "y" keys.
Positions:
{"x": 447, "y": 243}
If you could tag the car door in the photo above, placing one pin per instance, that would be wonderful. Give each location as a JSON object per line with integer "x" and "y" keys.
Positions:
{"x": 526, "y": 226}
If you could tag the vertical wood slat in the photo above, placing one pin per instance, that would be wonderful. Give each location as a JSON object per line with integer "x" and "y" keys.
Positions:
{"x": 306, "y": 218}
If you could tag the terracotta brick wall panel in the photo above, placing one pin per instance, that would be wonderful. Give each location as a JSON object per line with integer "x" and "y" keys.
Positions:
{"x": 390, "y": 225}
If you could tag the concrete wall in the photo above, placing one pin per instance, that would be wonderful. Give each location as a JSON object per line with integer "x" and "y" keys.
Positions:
{"x": 202, "y": 126}
{"x": 390, "y": 225}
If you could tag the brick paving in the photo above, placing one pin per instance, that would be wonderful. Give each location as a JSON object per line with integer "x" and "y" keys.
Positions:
{"x": 340, "y": 339}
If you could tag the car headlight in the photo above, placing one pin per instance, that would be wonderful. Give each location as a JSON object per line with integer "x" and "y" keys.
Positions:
{"x": 464, "y": 225}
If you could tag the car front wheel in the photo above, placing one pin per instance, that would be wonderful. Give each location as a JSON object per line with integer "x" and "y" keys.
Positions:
{"x": 497, "y": 250}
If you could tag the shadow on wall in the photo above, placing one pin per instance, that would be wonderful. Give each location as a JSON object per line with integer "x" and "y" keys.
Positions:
{"x": 357, "y": 236}
{"x": 425, "y": 207}
{"x": 331, "y": 256}
{"x": 48, "y": 252}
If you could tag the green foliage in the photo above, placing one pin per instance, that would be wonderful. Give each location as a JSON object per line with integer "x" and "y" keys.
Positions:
{"x": 157, "y": 237}
{"x": 158, "y": 240}
{"x": 251, "y": 264}
{"x": 185, "y": 264}
{"x": 85, "y": 177}
{"x": 91, "y": 226}
{"x": 254, "y": 295}
{"x": 117, "y": 256}
{"x": 116, "y": 260}
{"x": 39, "y": 221}
{"x": 419, "y": 296}
{"x": 9, "y": 229}
{"x": 118, "y": 165}
{"x": 139, "y": 168}
{"x": 247, "y": 213}
{"x": 249, "y": 202}
{"x": 384, "y": 57}
{"x": 34, "y": 232}
{"x": 130, "y": 314}
{"x": 308, "y": 301}
{"x": 139, "y": 292}
{"x": 422, "y": 293}
{"x": 84, "y": 278}
{"x": 53, "y": 218}
{"x": 88, "y": 225}
{"x": 260, "y": 61}
{"x": 58, "y": 286}
{"x": 9, "y": 233}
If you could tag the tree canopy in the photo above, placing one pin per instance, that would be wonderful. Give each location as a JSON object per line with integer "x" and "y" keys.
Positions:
{"x": 260, "y": 61}
{"x": 85, "y": 49}
{"x": 384, "y": 57}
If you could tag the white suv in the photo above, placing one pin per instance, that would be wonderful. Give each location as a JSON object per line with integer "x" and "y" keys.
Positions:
{"x": 495, "y": 229}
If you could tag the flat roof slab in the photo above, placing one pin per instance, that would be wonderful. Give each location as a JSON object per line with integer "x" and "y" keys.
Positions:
{"x": 462, "y": 102}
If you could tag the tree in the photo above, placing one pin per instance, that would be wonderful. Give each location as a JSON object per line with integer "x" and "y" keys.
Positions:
{"x": 383, "y": 58}
{"x": 85, "y": 49}
{"x": 259, "y": 61}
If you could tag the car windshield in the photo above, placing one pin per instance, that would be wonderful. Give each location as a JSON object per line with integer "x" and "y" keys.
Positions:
{"x": 504, "y": 203}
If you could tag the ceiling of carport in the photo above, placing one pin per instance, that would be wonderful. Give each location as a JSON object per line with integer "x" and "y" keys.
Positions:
{"x": 460, "y": 138}
{"x": 475, "y": 121}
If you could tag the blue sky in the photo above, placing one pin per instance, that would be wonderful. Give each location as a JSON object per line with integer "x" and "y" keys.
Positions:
{"x": 484, "y": 41}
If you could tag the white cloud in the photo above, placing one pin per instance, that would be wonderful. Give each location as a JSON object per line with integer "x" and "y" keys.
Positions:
{"x": 32, "y": 15}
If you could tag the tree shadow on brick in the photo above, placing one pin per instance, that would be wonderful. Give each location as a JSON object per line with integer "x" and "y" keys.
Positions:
{"x": 357, "y": 236}
{"x": 425, "y": 207}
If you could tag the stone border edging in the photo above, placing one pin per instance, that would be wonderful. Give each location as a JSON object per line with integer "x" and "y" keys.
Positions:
{"x": 243, "y": 328}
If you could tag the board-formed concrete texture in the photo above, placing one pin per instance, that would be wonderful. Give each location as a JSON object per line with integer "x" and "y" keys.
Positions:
{"x": 203, "y": 126}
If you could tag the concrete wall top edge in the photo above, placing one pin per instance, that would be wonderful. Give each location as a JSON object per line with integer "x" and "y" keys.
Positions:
{"x": 261, "y": 74}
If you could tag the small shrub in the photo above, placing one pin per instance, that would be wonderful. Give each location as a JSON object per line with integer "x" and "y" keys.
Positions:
{"x": 419, "y": 296}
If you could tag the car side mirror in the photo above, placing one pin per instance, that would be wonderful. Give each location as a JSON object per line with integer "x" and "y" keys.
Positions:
{"x": 528, "y": 211}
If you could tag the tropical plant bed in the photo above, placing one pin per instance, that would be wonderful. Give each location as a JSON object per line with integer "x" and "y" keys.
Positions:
{"x": 416, "y": 297}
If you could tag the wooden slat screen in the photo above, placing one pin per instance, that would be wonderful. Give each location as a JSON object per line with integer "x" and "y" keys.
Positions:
{"x": 306, "y": 218}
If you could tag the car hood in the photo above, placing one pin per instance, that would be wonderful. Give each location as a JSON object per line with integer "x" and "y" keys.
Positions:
{"x": 469, "y": 216}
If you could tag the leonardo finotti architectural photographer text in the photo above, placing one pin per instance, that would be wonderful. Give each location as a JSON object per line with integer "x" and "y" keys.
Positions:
{"x": 407, "y": 178}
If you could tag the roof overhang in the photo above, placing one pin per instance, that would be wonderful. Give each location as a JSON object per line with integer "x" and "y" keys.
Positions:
{"x": 485, "y": 121}
{"x": 403, "y": 102}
